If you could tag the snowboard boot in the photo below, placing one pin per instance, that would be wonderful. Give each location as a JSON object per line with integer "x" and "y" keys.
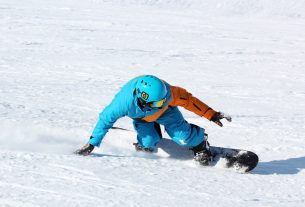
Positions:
{"x": 138, "y": 147}
{"x": 202, "y": 153}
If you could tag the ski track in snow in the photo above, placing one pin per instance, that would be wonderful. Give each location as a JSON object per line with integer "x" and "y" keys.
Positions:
{"x": 61, "y": 62}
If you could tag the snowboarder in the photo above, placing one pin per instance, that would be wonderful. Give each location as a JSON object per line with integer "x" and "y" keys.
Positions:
{"x": 150, "y": 101}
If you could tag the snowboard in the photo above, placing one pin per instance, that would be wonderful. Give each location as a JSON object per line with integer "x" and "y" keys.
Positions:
{"x": 240, "y": 160}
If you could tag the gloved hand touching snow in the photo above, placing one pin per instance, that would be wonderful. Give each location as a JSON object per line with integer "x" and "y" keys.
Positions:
{"x": 85, "y": 150}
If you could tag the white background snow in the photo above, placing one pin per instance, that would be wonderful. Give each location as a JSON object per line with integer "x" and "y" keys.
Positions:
{"x": 62, "y": 61}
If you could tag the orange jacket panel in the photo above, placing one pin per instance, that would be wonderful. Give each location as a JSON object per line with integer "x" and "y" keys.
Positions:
{"x": 180, "y": 97}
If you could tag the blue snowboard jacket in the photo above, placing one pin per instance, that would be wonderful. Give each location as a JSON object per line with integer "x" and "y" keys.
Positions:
{"x": 123, "y": 104}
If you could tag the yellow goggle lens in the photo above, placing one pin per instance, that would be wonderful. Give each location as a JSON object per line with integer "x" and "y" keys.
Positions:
{"x": 158, "y": 104}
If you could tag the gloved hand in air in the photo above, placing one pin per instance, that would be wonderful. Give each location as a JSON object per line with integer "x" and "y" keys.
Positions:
{"x": 218, "y": 116}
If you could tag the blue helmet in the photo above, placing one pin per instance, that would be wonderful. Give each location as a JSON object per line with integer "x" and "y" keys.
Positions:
{"x": 151, "y": 89}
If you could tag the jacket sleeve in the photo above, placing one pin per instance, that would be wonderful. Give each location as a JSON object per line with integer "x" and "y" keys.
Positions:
{"x": 181, "y": 97}
{"x": 115, "y": 110}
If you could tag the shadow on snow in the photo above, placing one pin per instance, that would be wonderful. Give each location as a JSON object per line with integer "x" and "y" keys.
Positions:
{"x": 289, "y": 166}
{"x": 174, "y": 151}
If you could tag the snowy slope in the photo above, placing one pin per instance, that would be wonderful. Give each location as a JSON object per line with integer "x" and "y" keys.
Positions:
{"x": 61, "y": 62}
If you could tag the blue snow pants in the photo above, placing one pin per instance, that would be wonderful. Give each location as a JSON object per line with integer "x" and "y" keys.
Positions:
{"x": 181, "y": 132}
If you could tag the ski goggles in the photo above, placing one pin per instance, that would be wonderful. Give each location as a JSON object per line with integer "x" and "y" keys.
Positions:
{"x": 152, "y": 104}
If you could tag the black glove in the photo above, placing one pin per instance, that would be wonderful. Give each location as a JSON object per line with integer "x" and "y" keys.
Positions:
{"x": 138, "y": 147}
{"x": 85, "y": 150}
{"x": 218, "y": 116}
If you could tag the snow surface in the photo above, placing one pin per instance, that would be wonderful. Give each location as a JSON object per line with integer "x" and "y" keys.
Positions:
{"x": 61, "y": 62}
